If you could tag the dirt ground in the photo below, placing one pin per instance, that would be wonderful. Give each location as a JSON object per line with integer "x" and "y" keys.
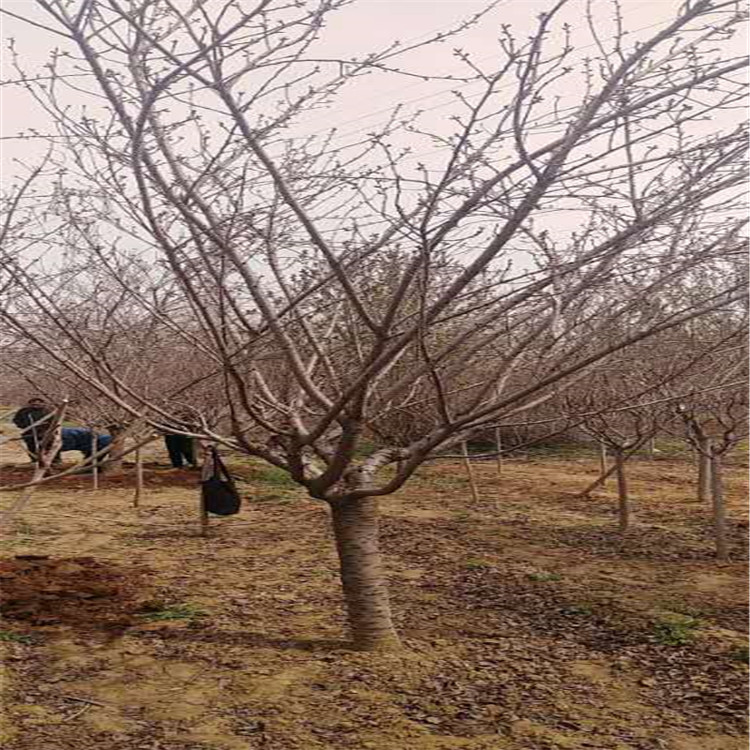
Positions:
{"x": 529, "y": 623}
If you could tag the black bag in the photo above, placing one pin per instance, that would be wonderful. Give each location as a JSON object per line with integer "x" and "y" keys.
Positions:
{"x": 220, "y": 496}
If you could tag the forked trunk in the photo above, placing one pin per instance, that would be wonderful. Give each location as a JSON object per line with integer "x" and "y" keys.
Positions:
{"x": 719, "y": 509}
{"x": 623, "y": 501}
{"x": 704, "y": 470}
{"x": 356, "y": 528}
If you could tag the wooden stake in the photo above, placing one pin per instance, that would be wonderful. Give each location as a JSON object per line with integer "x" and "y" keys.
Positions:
{"x": 703, "y": 454}
{"x": 603, "y": 473}
{"x": 94, "y": 462}
{"x": 206, "y": 472}
{"x": 138, "y": 478}
{"x": 499, "y": 464}
{"x": 469, "y": 471}
{"x": 498, "y": 450}
{"x": 599, "y": 481}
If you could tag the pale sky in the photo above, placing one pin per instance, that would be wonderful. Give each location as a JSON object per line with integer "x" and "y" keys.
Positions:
{"x": 364, "y": 26}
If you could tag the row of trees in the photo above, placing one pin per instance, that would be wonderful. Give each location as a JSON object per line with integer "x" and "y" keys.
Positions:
{"x": 179, "y": 259}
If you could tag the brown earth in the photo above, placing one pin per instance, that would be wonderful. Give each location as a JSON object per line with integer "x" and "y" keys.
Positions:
{"x": 154, "y": 475}
{"x": 529, "y": 624}
{"x": 78, "y": 592}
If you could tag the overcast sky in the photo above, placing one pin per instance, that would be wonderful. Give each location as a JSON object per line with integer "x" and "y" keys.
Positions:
{"x": 364, "y": 26}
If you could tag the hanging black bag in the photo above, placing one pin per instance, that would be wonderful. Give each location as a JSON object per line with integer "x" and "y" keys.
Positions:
{"x": 219, "y": 493}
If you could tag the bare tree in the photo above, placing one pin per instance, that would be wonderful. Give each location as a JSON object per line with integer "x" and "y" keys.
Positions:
{"x": 274, "y": 243}
{"x": 714, "y": 424}
{"x": 622, "y": 381}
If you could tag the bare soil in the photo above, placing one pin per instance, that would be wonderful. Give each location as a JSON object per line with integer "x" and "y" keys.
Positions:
{"x": 155, "y": 475}
{"x": 528, "y": 622}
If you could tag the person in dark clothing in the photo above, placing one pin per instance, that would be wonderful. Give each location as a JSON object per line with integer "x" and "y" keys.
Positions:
{"x": 25, "y": 419}
{"x": 180, "y": 449}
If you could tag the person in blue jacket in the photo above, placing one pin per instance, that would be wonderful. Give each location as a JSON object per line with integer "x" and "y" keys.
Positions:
{"x": 81, "y": 439}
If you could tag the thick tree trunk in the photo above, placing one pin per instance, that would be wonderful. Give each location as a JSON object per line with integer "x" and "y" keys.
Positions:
{"x": 356, "y": 528}
{"x": 623, "y": 502}
{"x": 704, "y": 470}
{"x": 719, "y": 508}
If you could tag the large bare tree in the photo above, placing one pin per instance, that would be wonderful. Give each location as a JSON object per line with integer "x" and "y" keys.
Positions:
{"x": 334, "y": 284}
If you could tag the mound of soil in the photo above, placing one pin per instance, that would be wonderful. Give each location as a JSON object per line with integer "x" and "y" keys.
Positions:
{"x": 78, "y": 591}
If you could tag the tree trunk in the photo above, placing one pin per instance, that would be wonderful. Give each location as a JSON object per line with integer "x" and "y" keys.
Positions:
{"x": 94, "y": 462}
{"x": 499, "y": 451}
{"x": 599, "y": 481}
{"x": 623, "y": 502}
{"x": 356, "y": 528}
{"x": 138, "y": 478}
{"x": 719, "y": 508}
{"x": 703, "y": 451}
{"x": 112, "y": 461}
{"x": 603, "y": 473}
{"x": 499, "y": 464}
{"x": 207, "y": 470}
{"x": 470, "y": 472}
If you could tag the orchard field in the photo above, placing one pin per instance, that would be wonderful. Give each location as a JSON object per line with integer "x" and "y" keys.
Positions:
{"x": 343, "y": 243}
{"x": 529, "y": 623}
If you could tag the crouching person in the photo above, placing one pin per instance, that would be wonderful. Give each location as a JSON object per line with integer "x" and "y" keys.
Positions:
{"x": 82, "y": 439}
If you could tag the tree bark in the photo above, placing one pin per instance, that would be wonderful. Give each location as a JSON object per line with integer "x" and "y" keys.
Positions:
{"x": 207, "y": 469}
{"x": 94, "y": 462}
{"x": 138, "y": 478}
{"x": 499, "y": 464}
{"x": 623, "y": 502}
{"x": 599, "y": 481}
{"x": 470, "y": 472}
{"x": 704, "y": 470}
{"x": 499, "y": 451}
{"x": 719, "y": 508}
{"x": 112, "y": 462}
{"x": 603, "y": 473}
{"x": 356, "y": 528}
